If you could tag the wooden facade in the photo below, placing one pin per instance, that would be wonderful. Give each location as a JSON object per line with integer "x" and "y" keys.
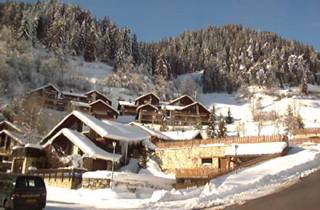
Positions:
{"x": 53, "y": 98}
{"x": 49, "y": 95}
{"x": 183, "y": 100}
{"x": 8, "y": 140}
{"x": 148, "y": 113}
{"x": 149, "y": 98}
{"x": 63, "y": 147}
{"x": 95, "y": 95}
{"x": 194, "y": 112}
{"x": 71, "y": 96}
{"x": 127, "y": 108}
{"x": 102, "y": 110}
{"x": 131, "y": 108}
{"x": 91, "y": 128}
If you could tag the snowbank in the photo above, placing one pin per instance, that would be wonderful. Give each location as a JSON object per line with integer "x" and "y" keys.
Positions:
{"x": 256, "y": 149}
{"x": 182, "y": 135}
{"x": 232, "y": 188}
{"x": 133, "y": 180}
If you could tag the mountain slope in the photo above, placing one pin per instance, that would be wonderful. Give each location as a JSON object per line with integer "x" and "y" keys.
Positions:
{"x": 230, "y": 56}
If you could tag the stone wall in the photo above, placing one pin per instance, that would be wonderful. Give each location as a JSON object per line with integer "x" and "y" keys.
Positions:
{"x": 63, "y": 183}
{"x": 189, "y": 157}
{"x": 93, "y": 184}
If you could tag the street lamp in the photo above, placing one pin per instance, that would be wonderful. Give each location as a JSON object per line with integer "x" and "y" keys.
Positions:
{"x": 235, "y": 155}
{"x": 114, "y": 150}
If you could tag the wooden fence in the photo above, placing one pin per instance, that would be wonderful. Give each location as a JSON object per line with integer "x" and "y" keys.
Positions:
{"x": 228, "y": 140}
{"x": 304, "y": 140}
{"x": 306, "y": 131}
{"x": 67, "y": 178}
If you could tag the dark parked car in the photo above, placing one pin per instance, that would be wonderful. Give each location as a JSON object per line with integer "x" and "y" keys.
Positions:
{"x": 22, "y": 192}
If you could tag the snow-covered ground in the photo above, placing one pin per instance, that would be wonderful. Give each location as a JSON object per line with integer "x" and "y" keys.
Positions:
{"x": 94, "y": 72}
{"x": 271, "y": 101}
{"x": 244, "y": 184}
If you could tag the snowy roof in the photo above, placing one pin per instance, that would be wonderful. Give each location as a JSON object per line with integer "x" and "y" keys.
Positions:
{"x": 98, "y": 92}
{"x": 124, "y": 132}
{"x": 14, "y": 127}
{"x": 171, "y": 107}
{"x": 18, "y": 138}
{"x": 150, "y": 93}
{"x": 194, "y": 103}
{"x": 256, "y": 149}
{"x": 73, "y": 94}
{"x": 182, "y": 135}
{"x": 107, "y": 129}
{"x": 180, "y": 97}
{"x": 126, "y": 103}
{"x": 101, "y": 101}
{"x": 45, "y": 86}
{"x": 151, "y": 131}
{"x": 85, "y": 145}
{"x": 144, "y": 105}
{"x": 80, "y": 104}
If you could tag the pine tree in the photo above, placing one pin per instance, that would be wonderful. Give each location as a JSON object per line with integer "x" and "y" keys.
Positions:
{"x": 89, "y": 53}
{"x": 136, "y": 52}
{"x": 229, "y": 118}
{"x": 290, "y": 121}
{"x": 299, "y": 120}
{"x": 211, "y": 130}
{"x": 222, "y": 131}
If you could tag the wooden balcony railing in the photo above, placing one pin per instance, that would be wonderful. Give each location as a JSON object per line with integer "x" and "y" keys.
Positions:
{"x": 228, "y": 140}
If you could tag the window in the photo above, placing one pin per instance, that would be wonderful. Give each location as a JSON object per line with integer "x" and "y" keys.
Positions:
{"x": 206, "y": 161}
{"x": 28, "y": 182}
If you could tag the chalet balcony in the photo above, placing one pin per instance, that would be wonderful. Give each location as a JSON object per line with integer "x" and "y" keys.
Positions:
{"x": 57, "y": 104}
{"x": 150, "y": 117}
{"x": 187, "y": 119}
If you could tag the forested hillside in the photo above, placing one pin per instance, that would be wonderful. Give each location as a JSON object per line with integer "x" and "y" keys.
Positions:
{"x": 233, "y": 55}
{"x": 230, "y": 56}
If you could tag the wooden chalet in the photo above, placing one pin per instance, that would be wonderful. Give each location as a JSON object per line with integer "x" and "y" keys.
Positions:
{"x": 127, "y": 108}
{"x": 50, "y": 95}
{"x": 68, "y": 142}
{"x": 183, "y": 100}
{"x": 103, "y": 110}
{"x": 131, "y": 108}
{"x": 79, "y": 106}
{"x": 185, "y": 115}
{"x": 92, "y": 137}
{"x": 95, "y": 95}
{"x": 27, "y": 157}
{"x": 48, "y": 91}
{"x": 71, "y": 96}
{"x": 53, "y": 98}
{"x": 148, "y": 113}
{"x": 149, "y": 98}
{"x": 10, "y": 137}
